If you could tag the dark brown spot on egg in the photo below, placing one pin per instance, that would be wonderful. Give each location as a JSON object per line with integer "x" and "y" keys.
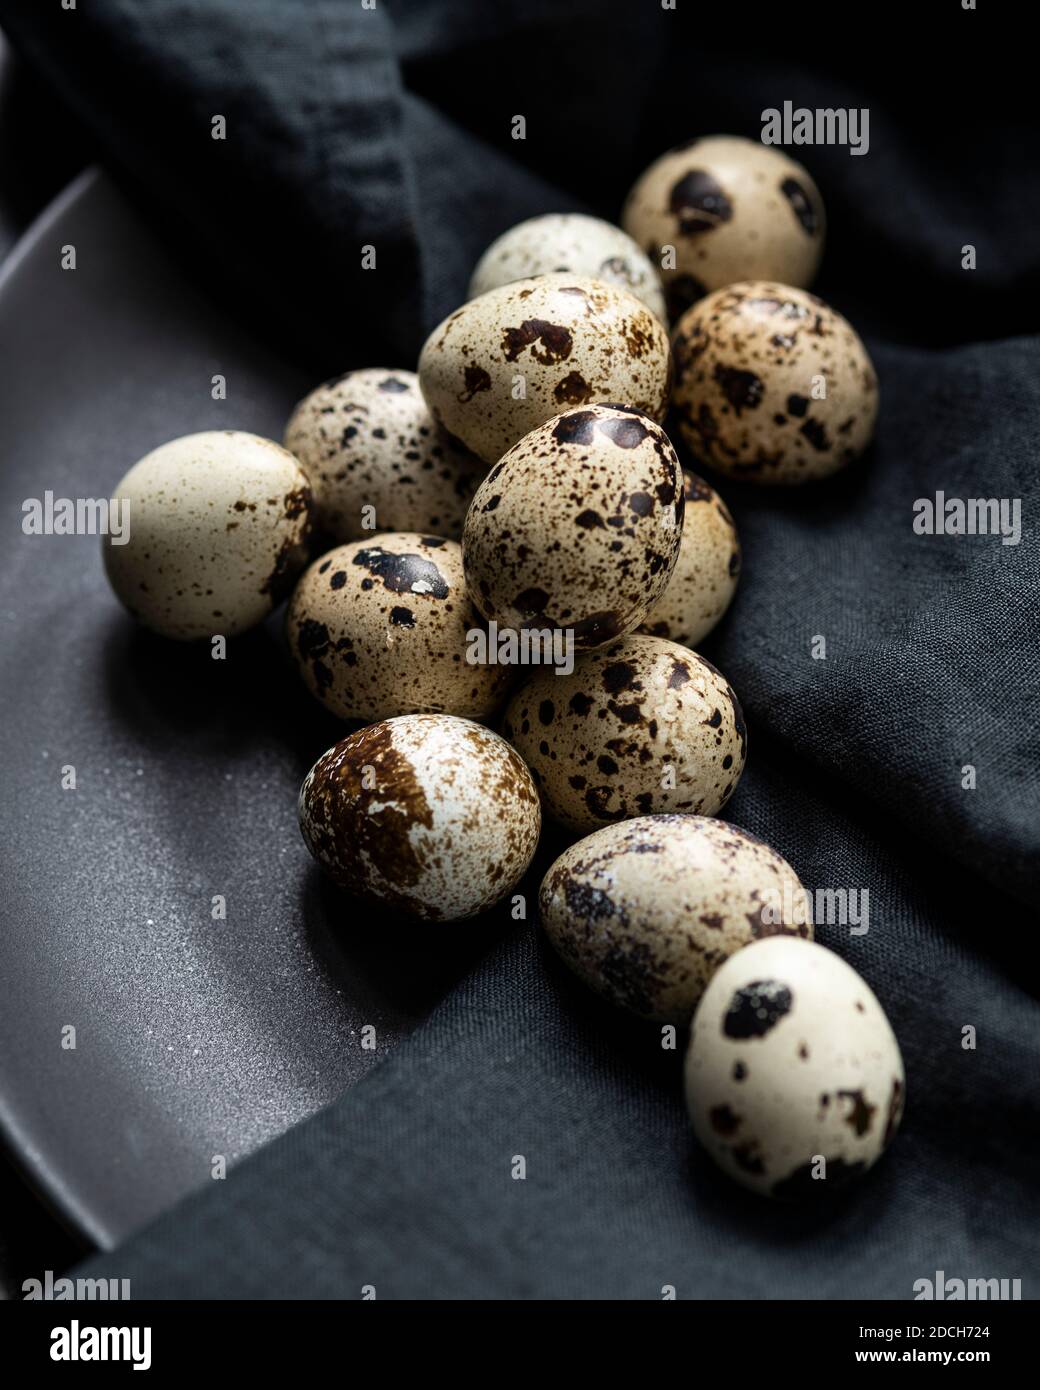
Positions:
{"x": 861, "y": 1114}
{"x": 626, "y": 434}
{"x": 801, "y": 205}
{"x": 531, "y": 602}
{"x": 618, "y": 676}
{"x": 596, "y": 799}
{"x": 742, "y": 389}
{"x": 895, "y": 1110}
{"x": 723, "y": 1120}
{"x": 756, "y": 1008}
{"x": 403, "y": 573}
{"x": 556, "y": 341}
{"x": 747, "y": 1158}
{"x": 699, "y": 202}
{"x": 816, "y": 435}
{"x": 476, "y": 379}
{"x": 575, "y": 428}
{"x": 572, "y": 390}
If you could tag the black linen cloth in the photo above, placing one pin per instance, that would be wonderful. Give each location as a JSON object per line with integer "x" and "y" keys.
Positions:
{"x": 391, "y": 127}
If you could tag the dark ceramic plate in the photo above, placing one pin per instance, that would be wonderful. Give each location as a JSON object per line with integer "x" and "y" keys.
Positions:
{"x": 194, "y": 1037}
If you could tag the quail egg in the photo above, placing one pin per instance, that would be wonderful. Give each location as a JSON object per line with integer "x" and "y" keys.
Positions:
{"x": 771, "y": 385}
{"x": 647, "y": 910}
{"x": 794, "y": 1079}
{"x": 378, "y": 461}
{"x": 572, "y": 242}
{"x": 705, "y": 576}
{"x": 578, "y": 526}
{"x": 722, "y": 209}
{"x": 507, "y": 362}
{"x": 383, "y": 627}
{"x": 217, "y": 529}
{"x": 641, "y": 726}
{"x": 433, "y": 816}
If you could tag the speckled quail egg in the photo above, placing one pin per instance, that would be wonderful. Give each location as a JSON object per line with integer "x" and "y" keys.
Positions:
{"x": 732, "y": 209}
{"x": 431, "y": 815}
{"x": 380, "y": 627}
{"x": 217, "y": 526}
{"x": 646, "y": 911}
{"x": 377, "y": 460}
{"x": 569, "y": 241}
{"x": 794, "y": 1079}
{"x": 705, "y": 576}
{"x": 641, "y": 726}
{"x": 506, "y": 362}
{"x": 771, "y": 385}
{"x": 578, "y": 526}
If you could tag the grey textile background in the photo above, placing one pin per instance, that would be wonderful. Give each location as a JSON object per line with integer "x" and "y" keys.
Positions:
{"x": 392, "y": 127}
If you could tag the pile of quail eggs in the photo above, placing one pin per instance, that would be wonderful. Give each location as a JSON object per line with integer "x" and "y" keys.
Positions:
{"x": 524, "y": 482}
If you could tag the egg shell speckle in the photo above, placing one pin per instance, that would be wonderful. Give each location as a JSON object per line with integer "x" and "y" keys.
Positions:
{"x": 605, "y": 741}
{"x": 791, "y": 1059}
{"x": 568, "y": 340}
{"x": 433, "y": 816}
{"x": 367, "y": 440}
{"x": 218, "y": 525}
{"x": 572, "y": 242}
{"x": 733, "y": 209}
{"x": 578, "y": 526}
{"x": 705, "y": 576}
{"x": 379, "y": 628}
{"x": 645, "y": 911}
{"x": 747, "y": 360}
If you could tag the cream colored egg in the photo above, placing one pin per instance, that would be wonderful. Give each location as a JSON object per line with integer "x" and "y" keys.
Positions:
{"x": 378, "y": 461}
{"x": 705, "y": 576}
{"x": 578, "y": 526}
{"x": 647, "y": 910}
{"x": 505, "y": 363}
{"x": 429, "y": 815}
{"x": 381, "y": 627}
{"x": 732, "y": 209}
{"x": 640, "y": 727}
{"x": 794, "y": 1078}
{"x": 771, "y": 385}
{"x": 217, "y": 527}
{"x": 572, "y": 242}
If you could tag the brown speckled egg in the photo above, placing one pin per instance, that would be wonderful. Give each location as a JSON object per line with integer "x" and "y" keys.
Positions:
{"x": 379, "y": 628}
{"x": 578, "y": 526}
{"x": 218, "y": 525}
{"x": 646, "y": 911}
{"x": 750, "y": 363}
{"x": 639, "y": 727}
{"x": 368, "y": 441}
{"x": 429, "y": 815}
{"x": 733, "y": 209}
{"x": 572, "y": 242}
{"x": 794, "y": 1079}
{"x": 510, "y": 360}
{"x": 706, "y": 572}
